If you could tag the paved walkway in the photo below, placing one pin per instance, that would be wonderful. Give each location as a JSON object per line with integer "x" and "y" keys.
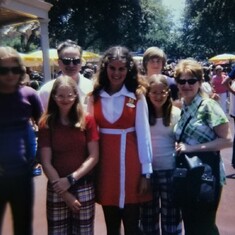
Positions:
{"x": 225, "y": 216}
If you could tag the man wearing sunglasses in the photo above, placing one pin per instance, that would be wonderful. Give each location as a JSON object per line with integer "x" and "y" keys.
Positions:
{"x": 70, "y": 62}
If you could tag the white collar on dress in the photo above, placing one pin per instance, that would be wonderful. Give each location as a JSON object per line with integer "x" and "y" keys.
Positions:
{"x": 122, "y": 92}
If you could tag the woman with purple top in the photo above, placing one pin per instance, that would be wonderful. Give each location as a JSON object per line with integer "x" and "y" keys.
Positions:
{"x": 19, "y": 105}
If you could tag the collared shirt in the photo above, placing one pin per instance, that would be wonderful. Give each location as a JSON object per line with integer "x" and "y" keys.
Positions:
{"x": 203, "y": 120}
{"x": 85, "y": 86}
{"x": 200, "y": 127}
{"x": 112, "y": 108}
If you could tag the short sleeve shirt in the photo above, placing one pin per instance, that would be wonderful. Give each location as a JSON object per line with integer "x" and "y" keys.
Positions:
{"x": 203, "y": 120}
{"x": 69, "y": 144}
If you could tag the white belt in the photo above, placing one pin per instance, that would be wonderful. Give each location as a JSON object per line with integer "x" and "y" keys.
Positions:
{"x": 116, "y": 131}
{"x": 123, "y": 133}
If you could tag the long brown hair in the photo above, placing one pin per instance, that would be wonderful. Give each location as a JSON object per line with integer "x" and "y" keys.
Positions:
{"x": 76, "y": 114}
{"x": 167, "y": 106}
{"x": 132, "y": 82}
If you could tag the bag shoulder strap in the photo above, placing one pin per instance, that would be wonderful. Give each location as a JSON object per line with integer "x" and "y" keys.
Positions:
{"x": 186, "y": 123}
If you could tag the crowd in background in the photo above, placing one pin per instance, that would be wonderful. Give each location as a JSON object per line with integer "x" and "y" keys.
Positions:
{"x": 35, "y": 78}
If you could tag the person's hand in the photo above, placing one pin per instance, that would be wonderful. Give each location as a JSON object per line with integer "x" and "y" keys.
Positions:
{"x": 178, "y": 103}
{"x": 215, "y": 96}
{"x": 226, "y": 81}
{"x": 144, "y": 186}
{"x": 182, "y": 148}
{"x": 61, "y": 185}
{"x": 71, "y": 202}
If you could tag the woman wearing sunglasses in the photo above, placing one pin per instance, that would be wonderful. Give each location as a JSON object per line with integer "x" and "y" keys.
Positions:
{"x": 70, "y": 62}
{"x": 207, "y": 131}
{"x": 18, "y": 105}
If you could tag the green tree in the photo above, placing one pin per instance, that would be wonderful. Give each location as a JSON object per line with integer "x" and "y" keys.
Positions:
{"x": 98, "y": 24}
{"x": 209, "y": 27}
{"x": 95, "y": 23}
{"x": 158, "y": 22}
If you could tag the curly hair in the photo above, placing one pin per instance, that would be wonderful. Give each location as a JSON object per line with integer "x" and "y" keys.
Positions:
{"x": 132, "y": 81}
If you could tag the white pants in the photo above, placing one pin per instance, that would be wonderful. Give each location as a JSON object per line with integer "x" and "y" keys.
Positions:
{"x": 223, "y": 101}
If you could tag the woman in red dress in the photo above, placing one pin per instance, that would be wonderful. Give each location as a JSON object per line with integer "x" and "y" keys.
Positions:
{"x": 120, "y": 110}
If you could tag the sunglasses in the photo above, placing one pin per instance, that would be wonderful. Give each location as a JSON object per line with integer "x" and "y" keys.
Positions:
{"x": 191, "y": 81}
{"x": 7, "y": 70}
{"x": 67, "y": 61}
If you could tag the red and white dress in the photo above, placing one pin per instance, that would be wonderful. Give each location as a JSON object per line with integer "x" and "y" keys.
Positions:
{"x": 125, "y": 148}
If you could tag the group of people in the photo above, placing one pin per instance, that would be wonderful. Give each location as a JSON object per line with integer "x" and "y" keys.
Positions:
{"x": 111, "y": 140}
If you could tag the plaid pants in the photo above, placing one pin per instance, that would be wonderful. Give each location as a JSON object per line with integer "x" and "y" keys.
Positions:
{"x": 62, "y": 221}
{"x": 160, "y": 205}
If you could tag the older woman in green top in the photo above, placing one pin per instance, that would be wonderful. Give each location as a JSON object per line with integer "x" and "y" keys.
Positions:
{"x": 207, "y": 131}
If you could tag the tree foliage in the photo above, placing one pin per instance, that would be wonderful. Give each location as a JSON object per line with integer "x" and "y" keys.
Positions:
{"x": 209, "y": 27}
{"x": 99, "y": 24}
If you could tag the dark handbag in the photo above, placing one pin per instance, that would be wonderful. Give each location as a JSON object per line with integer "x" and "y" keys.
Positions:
{"x": 194, "y": 181}
{"x": 201, "y": 180}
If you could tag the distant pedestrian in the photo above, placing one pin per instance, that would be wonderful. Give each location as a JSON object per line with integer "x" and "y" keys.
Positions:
{"x": 219, "y": 87}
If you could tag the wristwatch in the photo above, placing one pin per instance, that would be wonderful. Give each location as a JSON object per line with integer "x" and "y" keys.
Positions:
{"x": 71, "y": 180}
{"x": 147, "y": 176}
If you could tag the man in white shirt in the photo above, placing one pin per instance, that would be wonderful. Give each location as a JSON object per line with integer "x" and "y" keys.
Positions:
{"x": 70, "y": 62}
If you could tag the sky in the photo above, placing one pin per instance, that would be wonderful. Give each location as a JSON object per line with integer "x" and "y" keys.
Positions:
{"x": 176, "y": 6}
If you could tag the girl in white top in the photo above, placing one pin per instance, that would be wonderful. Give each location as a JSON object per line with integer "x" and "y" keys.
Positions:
{"x": 162, "y": 118}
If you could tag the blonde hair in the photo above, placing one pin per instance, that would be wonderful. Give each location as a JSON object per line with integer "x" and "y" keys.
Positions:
{"x": 192, "y": 67}
{"x": 9, "y": 52}
{"x": 189, "y": 66}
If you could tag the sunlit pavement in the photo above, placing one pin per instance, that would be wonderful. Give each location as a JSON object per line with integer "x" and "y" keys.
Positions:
{"x": 225, "y": 216}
